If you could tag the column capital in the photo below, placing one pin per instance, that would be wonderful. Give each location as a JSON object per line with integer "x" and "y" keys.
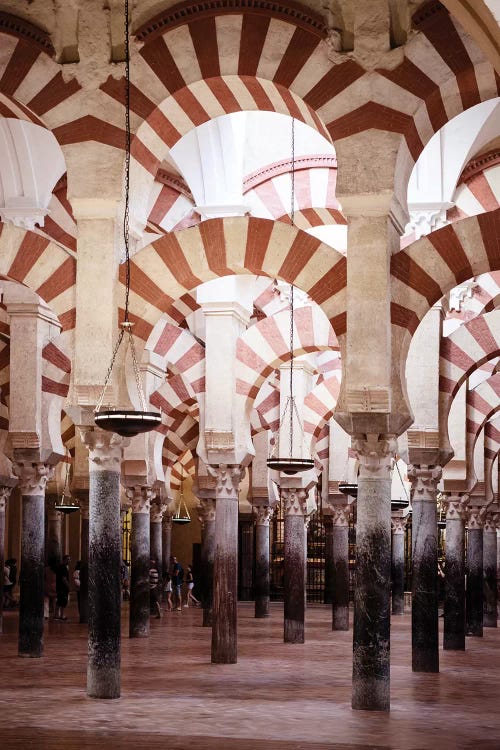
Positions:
{"x": 227, "y": 480}
{"x": 490, "y": 524}
{"x": 455, "y": 506}
{"x": 374, "y": 453}
{"x": 398, "y": 526}
{"x": 105, "y": 448}
{"x": 158, "y": 509}
{"x": 294, "y": 501}
{"x": 140, "y": 498}
{"x": 475, "y": 516}
{"x": 263, "y": 514}
{"x": 206, "y": 510}
{"x": 424, "y": 481}
{"x": 4, "y": 496}
{"x": 33, "y": 476}
{"x": 341, "y": 514}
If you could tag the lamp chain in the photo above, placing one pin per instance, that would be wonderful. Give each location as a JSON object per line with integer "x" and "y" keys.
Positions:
{"x": 292, "y": 219}
{"x": 126, "y": 214}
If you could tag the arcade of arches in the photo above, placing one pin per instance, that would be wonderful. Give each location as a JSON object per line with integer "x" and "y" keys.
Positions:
{"x": 314, "y": 211}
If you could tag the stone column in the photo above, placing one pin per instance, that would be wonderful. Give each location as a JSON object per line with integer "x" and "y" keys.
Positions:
{"x": 295, "y": 511}
{"x": 371, "y": 646}
{"x": 4, "y": 496}
{"x": 490, "y": 572}
{"x": 454, "y": 580}
{"x": 206, "y": 515}
{"x": 158, "y": 508}
{"x": 83, "y": 499}
{"x": 166, "y": 545}
{"x": 424, "y": 600}
{"x": 103, "y": 668}
{"x": 262, "y": 584}
{"x": 54, "y": 531}
{"x": 140, "y": 497}
{"x": 340, "y": 599}
{"x": 225, "y": 595}
{"x": 246, "y": 523}
{"x": 474, "y": 593}
{"x": 329, "y": 571}
{"x": 398, "y": 525}
{"x": 33, "y": 477}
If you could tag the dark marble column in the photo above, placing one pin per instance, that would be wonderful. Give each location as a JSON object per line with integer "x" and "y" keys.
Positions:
{"x": 53, "y": 543}
{"x": 83, "y": 498}
{"x": 140, "y": 497}
{"x": 454, "y": 580}
{"x": 262, "y": 586}
{"x": 33, "y": 478}
{"x": 329, "y": 572}
{"x": 295, "y": 509}
{"x": 224, "y": 627}
{"x": 103, "y": 668}
{"x": 371, "y": 641}
{"x": 474, "y": 594}
{"x": 158, "y": 508}
{"x": 398, "y": 565}
{"x": 4, "y": 496}
{"x": 490, "y": 572}
{"x": 166, "y": 543}
{"x": 340, "y": 599}
{"x": 206, "y": 515}
{"x": 246, "y": 524}
{"x": 424, "y": 600}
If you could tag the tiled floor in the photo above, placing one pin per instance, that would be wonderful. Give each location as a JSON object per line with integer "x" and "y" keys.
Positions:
{"x": 279, "y": 697}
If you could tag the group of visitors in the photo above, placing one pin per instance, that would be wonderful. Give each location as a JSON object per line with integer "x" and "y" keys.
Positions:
{"x": 172, "y": 587}
{"x": 57, "y": 587}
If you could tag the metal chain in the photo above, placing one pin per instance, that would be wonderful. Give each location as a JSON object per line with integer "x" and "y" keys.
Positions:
{"x": 110, "y": 370}
{"x": 137, "y": 374}
{"x": 126, "y": 214}
{"x": 291, "y": 371}
{"x": 292, "y": 175}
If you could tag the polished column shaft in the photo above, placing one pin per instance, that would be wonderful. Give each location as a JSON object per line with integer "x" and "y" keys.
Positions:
{"x": 474, "y": 595}
{"x": 490, "y": 573}
{"x": 340, "y": 591}
{"x": 294, "y": 503}
{"x": 140, "y": 497}
{"x": 454, "y": 582}
{"x": 262, "y": 568}
{"x": 398, "y": 566}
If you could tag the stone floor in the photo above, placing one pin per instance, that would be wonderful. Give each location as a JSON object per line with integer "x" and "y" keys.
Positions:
{"x": 278, "y": 697}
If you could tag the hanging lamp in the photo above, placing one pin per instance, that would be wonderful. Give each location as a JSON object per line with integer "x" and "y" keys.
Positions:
{"x": 61, "y": 505}
{"x": 289, "y": 464}
{"x": 126, "y": 422}
{"x": 181, "y": 516}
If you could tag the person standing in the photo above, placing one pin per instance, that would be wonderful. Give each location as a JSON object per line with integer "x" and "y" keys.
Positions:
{"x": 62, "y": 588}
{"x": 50, "y": 592}
{"x": 190, "y": 597}
{"x": 76, "y": 582}
{"x": 177, "y": 579}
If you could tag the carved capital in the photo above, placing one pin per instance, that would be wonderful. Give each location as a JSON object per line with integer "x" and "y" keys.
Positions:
{"x": 158, "y": 509}
{"x": 375, "y": 454}
{"x": 294, "y": 501}
{"x": 227, "y": 480}
{"x": 33, "y": 477}
{"x": 424, "y": 480}
{"x": 206, "y": 510}
{"x": 398, "y": 526}
{"x": 4, "y": 496}
{"x": 341, "y": 515}
{"x": 475, "y": 517}
{"x": 263, "y": 514}
{"x": 455, "y": 506}
{"x": 105, "y": 448}
{"x": 140, "y": 498}
{"x": 490, "y": 524}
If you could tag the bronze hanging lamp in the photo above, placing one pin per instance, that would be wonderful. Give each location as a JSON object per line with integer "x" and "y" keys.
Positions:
{"x": 62, "y": 505}
{"x": 126, "y": 422}
{"x": 181, "y": 516}
{"x": 290, "y": 464}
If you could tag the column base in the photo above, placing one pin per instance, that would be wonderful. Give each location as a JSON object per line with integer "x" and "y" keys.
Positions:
{"x": 370, "y": 694}
{"x": 340, "y": 619}
{"x": 454, "y": 643}
{"x": 490, "y": 620}
{"x": 294, "y": 632}
{"x": 425, "y": 661}
{"x": 103, "y": 683}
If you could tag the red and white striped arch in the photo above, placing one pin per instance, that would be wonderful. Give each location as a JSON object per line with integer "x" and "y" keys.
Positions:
{"x": 482, "y": 403}
{"x": 202, "y": 60}
{"x": 184, "y": 466}
{"x": 168, "y": 268}
{"x": 266, "y": 412}
{"x": 463, "y": 352}
{"x": 491, "y": 450}
{"x": 263, "y": 347}
{"x": 319, "y": 406}
{"x": 478, "y": 189}
{"x": 42, "y": 266}
{"x": 181, "y": 351}
{"x": 425, "y": 270}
